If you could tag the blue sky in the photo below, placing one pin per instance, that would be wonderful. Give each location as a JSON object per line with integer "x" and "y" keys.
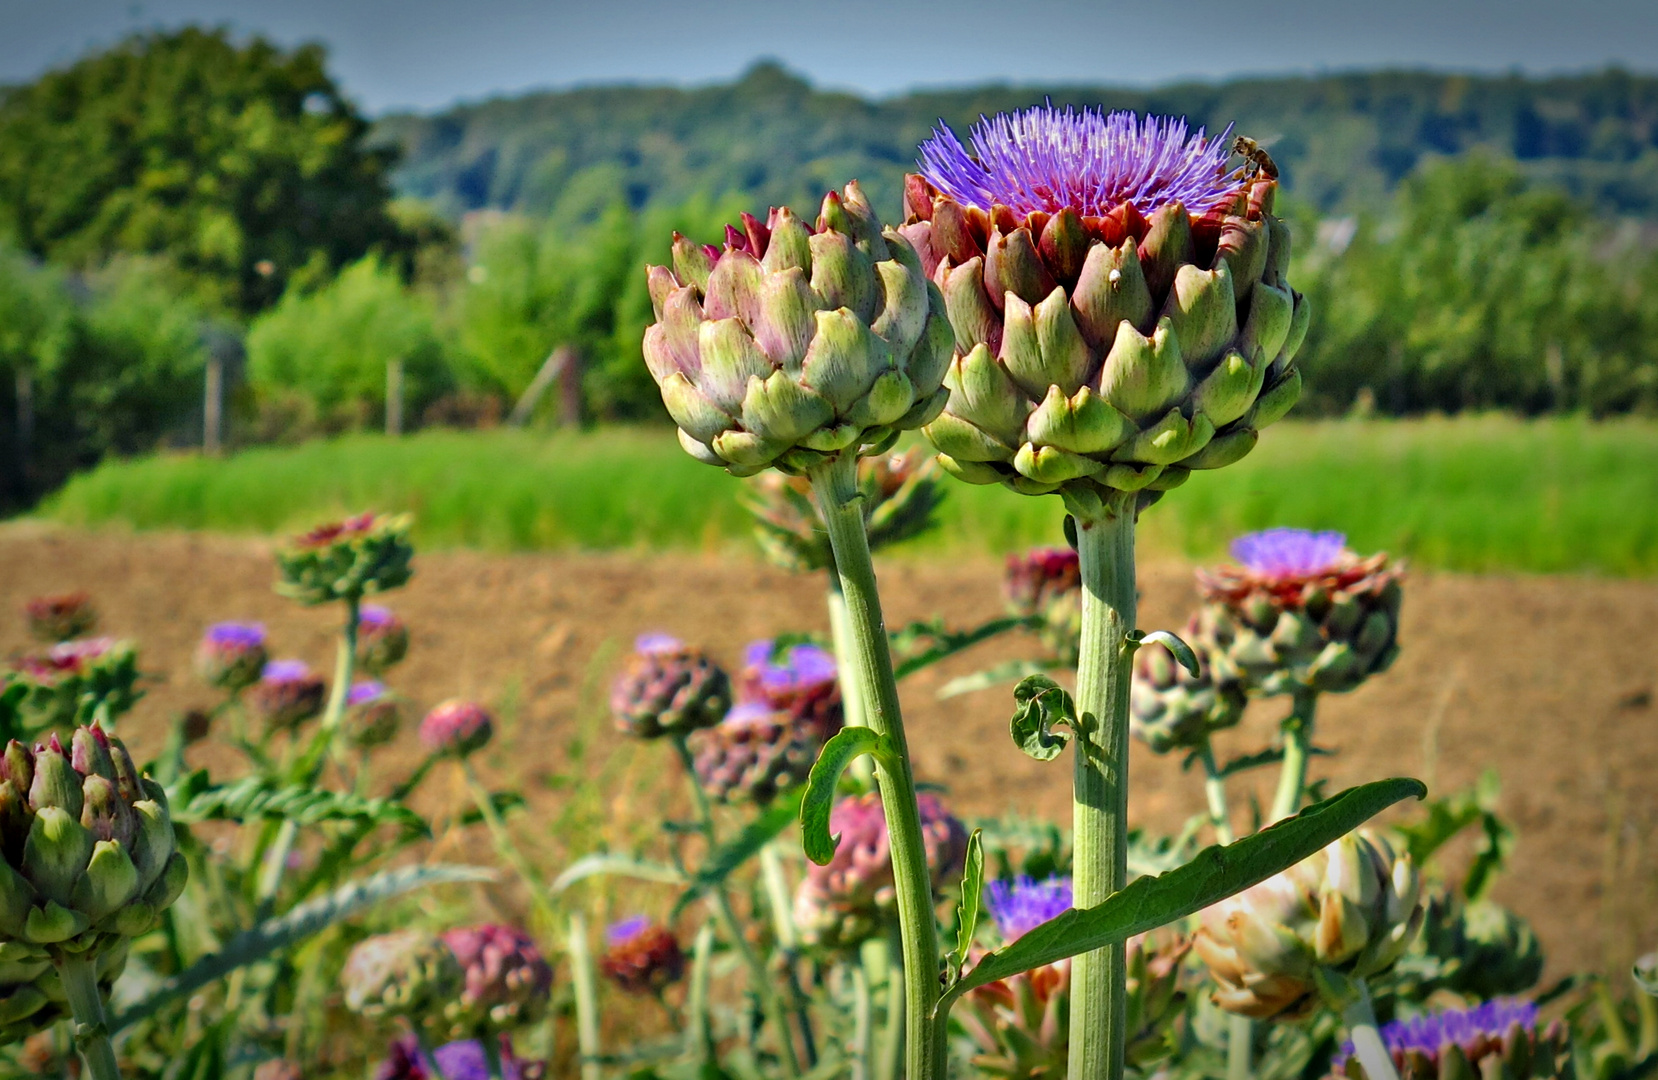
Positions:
{"x": 425, "y": 54}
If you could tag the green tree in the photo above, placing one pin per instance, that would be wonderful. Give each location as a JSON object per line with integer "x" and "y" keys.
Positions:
{"x": 240, "y": 162}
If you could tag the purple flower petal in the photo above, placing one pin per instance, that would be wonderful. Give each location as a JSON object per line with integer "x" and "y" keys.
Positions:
{"x": 1023, "y": 904}
{"x": 1289, "y": 552}
{"x": 285, "y": 671}
{"x": 622, "y": 932}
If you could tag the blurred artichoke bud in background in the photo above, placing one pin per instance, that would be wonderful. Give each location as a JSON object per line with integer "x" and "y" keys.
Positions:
{"x": 1646, "y": 973}
{"x": 382, "y": 639}
{"x": 754, "y": 754}
{"x": 796, "y": 342}
{"x": 1500, "y": 1039}
{"x": 408, "y": 974}
{"x": 372, "y": 716}
{"x": 798, "y": 680}
{"x": 231, "y": 655}
{"x": 287, "y": 695}
{"x": 457, "y": 728}
{"x": 77, "y": 682}
{"x": 1046, "y": 583}
{"x": 900, "y": 492}
{"x": 88, "y": 852}
{"x": 1170, "y": 708}
{"x": 506, "y": 981}
{"x": 1118, "y": 298}
{"x": 668, "y": 688}
{"x": 1481, "y": 950}
{"x": 641, "y": 957}
{"x": 844, "y": 903}
{"x": 60, "y": 616}
{"x": 463, "y": 1059}
{"x": 346, "y": 560}
{"x": 1299, "y": 611}
{"x": 1352, "y": 909}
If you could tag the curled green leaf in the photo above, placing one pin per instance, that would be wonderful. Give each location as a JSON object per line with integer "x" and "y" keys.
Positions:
{"x": 819, "y": 799}
{"x": 1040, "y": 705}
{"x": 1182, "y": 652}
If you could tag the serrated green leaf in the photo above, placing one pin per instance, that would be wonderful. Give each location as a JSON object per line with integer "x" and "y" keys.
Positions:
{"x": 972, "y": 899}
{"x": 602, "y": 863}
{"x": 1181, "y": 651}
{"x": 744, "y": 846}
{"x": 819, "y": 798}
{"x": 1041, "y": 705}
{"x": 255, "y": 797}
{"x": 1216, "y": 873}
{"x": 1010, "y": 671}
{"x": 923, "y": 644}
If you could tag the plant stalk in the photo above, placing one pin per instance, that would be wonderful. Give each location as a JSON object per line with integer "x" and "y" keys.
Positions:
{"x": 699, "y": 1031}
{"x": 505, "y": 846}
{"x": 834, "y": 484}
{"x": 852, "y": 692}
{"x": 1100, "y": 784}
{"x": 863, "y": 1023}
{"x": 891, "y": 1063}
{"x": 86, "y": 1004}
{"x": 587, "y": 998}
{"x": 788, "y": 942}
{"x": 1240, "y": 1030}
{"x": 1360, "y": 1021}
{"x": 1298, "y": 741}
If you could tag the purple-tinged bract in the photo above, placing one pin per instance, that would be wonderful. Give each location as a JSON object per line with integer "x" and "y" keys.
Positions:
{"x": 1290, "y": 552}
{"x": 382, "y": 638}
{"x": 1024, "y": 903}
{"x": 641, "y": 957}
{"x": 60, "y": 616}
{"x": 668, "y": 688}
{"x": 372, "y": 716}
{"x": 1496, "y": 1038}
{"x": 231, "y": 655}
{"x": 457, "y": 728}
{"x": 287, "y": 694}
{"x": 507, "y": 981}
{"x": 799, "y": 680}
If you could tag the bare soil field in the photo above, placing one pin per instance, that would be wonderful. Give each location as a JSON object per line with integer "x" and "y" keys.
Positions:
{"x": 1550, "y": 681}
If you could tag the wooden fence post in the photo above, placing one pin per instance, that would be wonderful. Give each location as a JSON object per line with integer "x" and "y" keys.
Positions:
{"x": 569, "y": 391}
{"x": 25, "y": 426}
{"x": 394, "y": 397}
{"x": 213, "y": 408}
{"x": 559, "y": 362}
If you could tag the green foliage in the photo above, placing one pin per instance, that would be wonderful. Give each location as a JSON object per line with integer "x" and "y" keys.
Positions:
{"x": 241, "y": 162}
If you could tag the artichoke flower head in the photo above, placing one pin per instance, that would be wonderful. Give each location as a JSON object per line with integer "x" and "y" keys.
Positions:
{"x": 1118, "y": 300}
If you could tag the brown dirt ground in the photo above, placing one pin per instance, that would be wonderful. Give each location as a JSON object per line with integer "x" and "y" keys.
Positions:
{"x": 1550, "y": 681}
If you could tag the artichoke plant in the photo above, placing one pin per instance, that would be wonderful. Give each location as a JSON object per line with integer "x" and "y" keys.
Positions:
{"x": 754, "y": 754}
{"x": 1476, "y": 949}
{"x": 60, "y": 616}
{"x": 372, "y": 716}
{"x": 505, "y": 981}
{"x": 1170, "y": 708}
{"x": 799, "y": 680}
{"x": 900, "y": 492}
{"x": 231, "y": 656}
{"x": 88, "y": 680}
{"x": 795, "y": 341}
{"x": 346, "y": 560}
{"x": 382, "y": 639}
{"x": 457, "y": 728}
{"x": 641, "y": 957}
{"x": 1299, "y": 612}
{"x": 1349, "y": 911}
{"x": 668, "y": 688}
{"x": 406, "y": 974}
{"x": 287, "y": 694}
{"x": 1497, "y": 1039}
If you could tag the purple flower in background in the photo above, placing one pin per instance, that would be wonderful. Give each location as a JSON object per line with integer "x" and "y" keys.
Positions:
{"x": 463, "y": 1060}
{"x": 1046, "y": 159}
{"x": 1473, "y": 1030}
{"x": 1021, "y": 905}
{"x": 287, "y": 694}
{"x": 231, "y": 655}
{"x": 373, "y": 615}
{"x": 657, "y": 644}
{"x": 365, "y": 692}
{"x": 784, "y": 671}
{"x": 281, "y": 671}
{"x": 1289, "y": 552}
{"x": 457, "y": 728}
{"x": 235, "y": 635}
{"x": 620, "y": 933}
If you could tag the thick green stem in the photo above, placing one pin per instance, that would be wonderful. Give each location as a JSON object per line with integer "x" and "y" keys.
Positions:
{"x": 852, "y": 693}
{"x": 835, "y": 486}
{"x": 1298, "y": 741}
{"x": 1100, "y": 784}
{"x": 1368, "y": 1047}
{"x": 699, "y": 1028}
{"x": 86, "y": 1004}
{"x": 891, "y": 1063}
{"x": 1240, "y": 1047}
{"x": 863, "y": 1024}
{"x": 587, "y": 998}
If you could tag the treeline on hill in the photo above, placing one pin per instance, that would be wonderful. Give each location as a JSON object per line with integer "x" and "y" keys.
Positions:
{"x": 188, "y": 195}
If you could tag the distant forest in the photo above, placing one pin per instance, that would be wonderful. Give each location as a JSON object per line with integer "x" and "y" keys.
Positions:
{"x": 1342, "y": 141}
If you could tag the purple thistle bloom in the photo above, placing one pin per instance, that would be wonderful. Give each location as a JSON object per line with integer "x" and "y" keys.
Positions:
{"x": 801, "y": 666}
{"x": 1289, "y": 552}
{"x": 375, "y": 615}
{"x": 462, "y": 1060}
{"x": 1021, "y": 905}
{"x": 620, "y": 933}
{"x": 365, "y": 692}
{"x": 278, "y": 671}
{"x": 235, "y": 635}
{"x": 1463, "y": 1027}
{"x": 1045, "y": 159}
{"x": 657, "y": 645}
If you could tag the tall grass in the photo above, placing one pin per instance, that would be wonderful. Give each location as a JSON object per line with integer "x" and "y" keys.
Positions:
{"x": 1474, "y": 493}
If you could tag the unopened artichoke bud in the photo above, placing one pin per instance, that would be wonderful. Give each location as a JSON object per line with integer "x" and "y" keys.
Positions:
{"x": 407, "y": 974}
{"x": 1118, "y": 300}
{"x": 287, "y": 694}
{"x": 1170, "y": 708}
{"x": 77, "y": 682}
{"x": 796, "y": 342}
{"x": 372, "y": 716}
{"x": 1351, "y": 909}
{"x": 641, "y": 957}
{"x": 1481, "y": 950}
{"x": 457, "y": 728}
{"x": 1300, "y": 611}
{"x": 1046, "y": 583}
{"x": 346, "y": 560}
{"x": 88, "y": 853}
{"x": 842, "y": 904}
{"x": 900, "y": 492}
{"x": 754, "y": 754}
{"x": 231, "y": 655}
{"x": 800, "y": 681}
{"x": 60, "y": 616}
{"x": 1497, "y": 1039}
{"x": 668, "y": 688}
{"x": 506, "y": 981}
{"x": 382, "y": 639}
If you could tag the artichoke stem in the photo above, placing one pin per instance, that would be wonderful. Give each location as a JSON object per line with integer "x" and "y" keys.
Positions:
{"x": 1240, "y": 1038}
{"x": 890, "y": 1065}
{"x": 1298, "y": 740}
{"x": 427, "y": 1051}
{"x": 80, "y": 985}
{"x": 699, "y": 1031}
{"x": 852, "y": 713}
{"x": 1360, "y": 1021}
{"x": 1100, "y": 784}
{"x": 491, "y": 1044}
{"x": 1214, "y": 789}
{"x": 835, "y": 486}
{"x": 788, "y": 940}
{"x": 587, "y": 998}
{"x": 505, "y": 846}
{"x": 863, "y": 1022}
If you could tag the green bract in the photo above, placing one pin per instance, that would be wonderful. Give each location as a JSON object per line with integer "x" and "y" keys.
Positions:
{"x": 407, "y": 973}
{"x": 796, "y": 342}
{"x": 1097, "y": 356}
{"x": 346, "y": 560}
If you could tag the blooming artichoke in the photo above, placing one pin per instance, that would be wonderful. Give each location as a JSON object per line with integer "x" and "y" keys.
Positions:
{"x": 668, "y": 688}
{"x": 382, "y": 639}
{"x": 900, "y": 492}
{"x": 77, "y": 682}
{"x": 1497, "y": 1039}
{"x": 372, "y": 716}
{"x": 407, "y": 973}
{"x": 231, "y": 655}
{"x": 1046, "y": 583}
{"x": 1299, "y": 611}
{"x": 795, "y": 342}
{"x": 849, "y": 900}
{"x": 346, "y": 560}
{"x": 287, "y": 694}
{"x": 641, "y": 957}
{"x": 457, "y": 728}
{"x": 89, "y": 858}
{"x": 506, "y": 980}
{"x": 1352, "y": 909}
{"x": 1118, "y": 298}
{"x": 800, "y": 680}
{"x": 60, "y": 616}
{"x": 463, "y": 1059}
{"x": 1171, "y": 708}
